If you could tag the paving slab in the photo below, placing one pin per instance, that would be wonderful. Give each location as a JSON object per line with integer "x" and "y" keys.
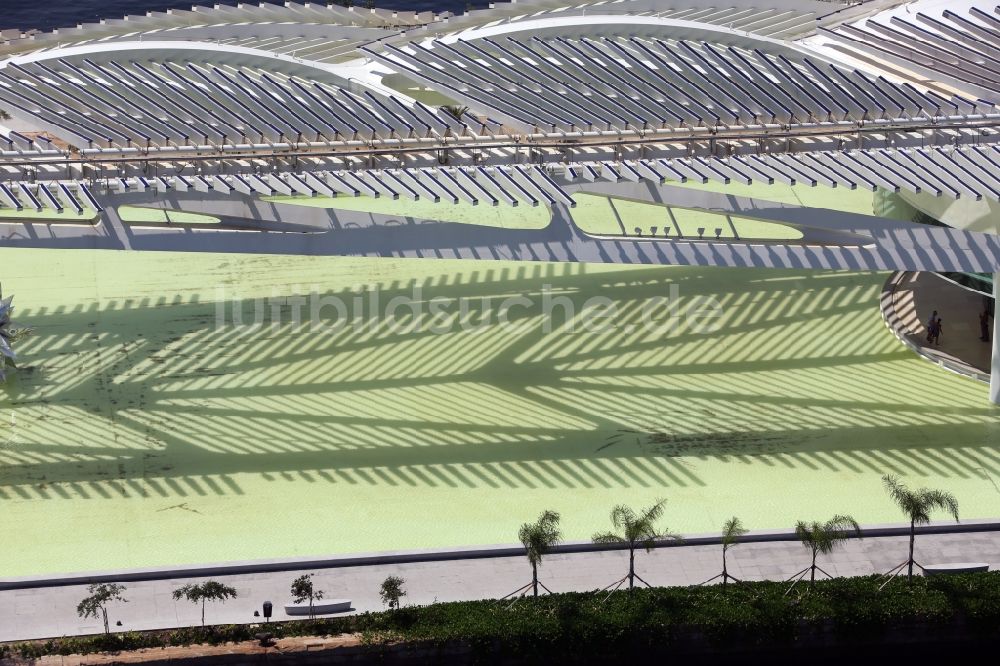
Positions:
{"x": 50, "y": 611}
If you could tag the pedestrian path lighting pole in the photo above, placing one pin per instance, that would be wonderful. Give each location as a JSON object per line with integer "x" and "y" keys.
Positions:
{"x": 995, "y": 359}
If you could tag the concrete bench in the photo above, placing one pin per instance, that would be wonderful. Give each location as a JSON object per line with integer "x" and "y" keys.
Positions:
{"x": 324, "y": 607}
{"x": 955, "y": 568}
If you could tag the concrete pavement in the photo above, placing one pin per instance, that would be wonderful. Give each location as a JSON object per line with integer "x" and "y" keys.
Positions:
{"x": 51, "y": 611}
{"x": 914, "y": 296}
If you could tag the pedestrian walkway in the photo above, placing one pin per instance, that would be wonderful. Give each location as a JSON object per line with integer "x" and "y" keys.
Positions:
{"x": 51, "y": 611}
{"x": 908, "y": 300}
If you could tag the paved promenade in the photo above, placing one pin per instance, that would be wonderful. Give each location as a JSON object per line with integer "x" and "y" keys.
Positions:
{"x": 50, "y": 611}
{"x": 915, "y": 296}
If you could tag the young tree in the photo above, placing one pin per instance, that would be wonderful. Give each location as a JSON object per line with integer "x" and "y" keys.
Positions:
{"x": 392, "y": 591}
{"x": 732, "y": 530}
{"x": 210, "y": 590}
{"x": 302, "y": 589}
{"x": 96, "y": 605}
{"x": 823, "y": 538}
{"x": 538, "y": 538}
{"x": 917, "y": 505}
{"x": 635, "y": 530}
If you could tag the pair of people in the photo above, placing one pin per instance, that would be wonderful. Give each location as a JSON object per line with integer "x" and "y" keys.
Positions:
{"x": 934, "y": 329}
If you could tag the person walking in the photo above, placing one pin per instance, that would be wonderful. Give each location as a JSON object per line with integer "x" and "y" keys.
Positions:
{"x": 930, "y": 326}
{"x": 936, "y": 332}
{"x": 984, "y": 326}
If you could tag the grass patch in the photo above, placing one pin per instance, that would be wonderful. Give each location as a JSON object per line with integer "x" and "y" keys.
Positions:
{"x": 47, "y": 215}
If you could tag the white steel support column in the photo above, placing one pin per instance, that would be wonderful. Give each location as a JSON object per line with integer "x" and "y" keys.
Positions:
{"x": 995, "y": 360}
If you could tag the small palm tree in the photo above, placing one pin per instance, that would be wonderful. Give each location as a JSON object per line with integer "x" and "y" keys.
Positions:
{"x": 634, "y": 530}
{"x": 823, "y": 538}
{"x": 456, "y": 111}
{"x": 917, "y": 505}
{"x": 8, "y": 335}
{"x": 538, "y": 538}
{"x": 732, "y": 530}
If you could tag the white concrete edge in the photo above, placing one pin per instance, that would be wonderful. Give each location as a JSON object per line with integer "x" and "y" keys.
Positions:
{"x": 995, "y": 358}
{"x": 457, "y": 553}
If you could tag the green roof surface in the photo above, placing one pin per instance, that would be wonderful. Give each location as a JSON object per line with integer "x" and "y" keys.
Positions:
{"x": 138, "y": 432}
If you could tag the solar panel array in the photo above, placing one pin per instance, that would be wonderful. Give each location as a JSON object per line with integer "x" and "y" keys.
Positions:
{"x": 260, "y": 124}
{"x": 15, "y": 144}
{"x": 556, "y": 83}
{"x": 788, "y": 22}
{"x": 511, "y": 185}
{"x": 130, "y": 102}
{"x": 318, "y": 29}
{"x": 54, "y": 197}
{"x": 971, "y": 172}
{"x": 960, "y": 48}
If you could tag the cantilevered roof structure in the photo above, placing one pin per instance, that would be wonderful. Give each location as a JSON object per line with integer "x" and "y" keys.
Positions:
{"x": 524, "y": 104}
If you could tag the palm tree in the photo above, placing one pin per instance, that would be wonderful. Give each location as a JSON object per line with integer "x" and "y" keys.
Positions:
{"x": 456, "y": 111}
{"x": 538, "y": 538}
{"x": 8, "y": 335}
{"x": 732, "y": 530}
{"x": 823, "y": 538}
{"x": 917, "y": 505}
{"x": 634, "y": 530}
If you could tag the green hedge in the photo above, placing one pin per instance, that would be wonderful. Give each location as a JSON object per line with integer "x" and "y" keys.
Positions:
{"x": 738, "y": 616}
